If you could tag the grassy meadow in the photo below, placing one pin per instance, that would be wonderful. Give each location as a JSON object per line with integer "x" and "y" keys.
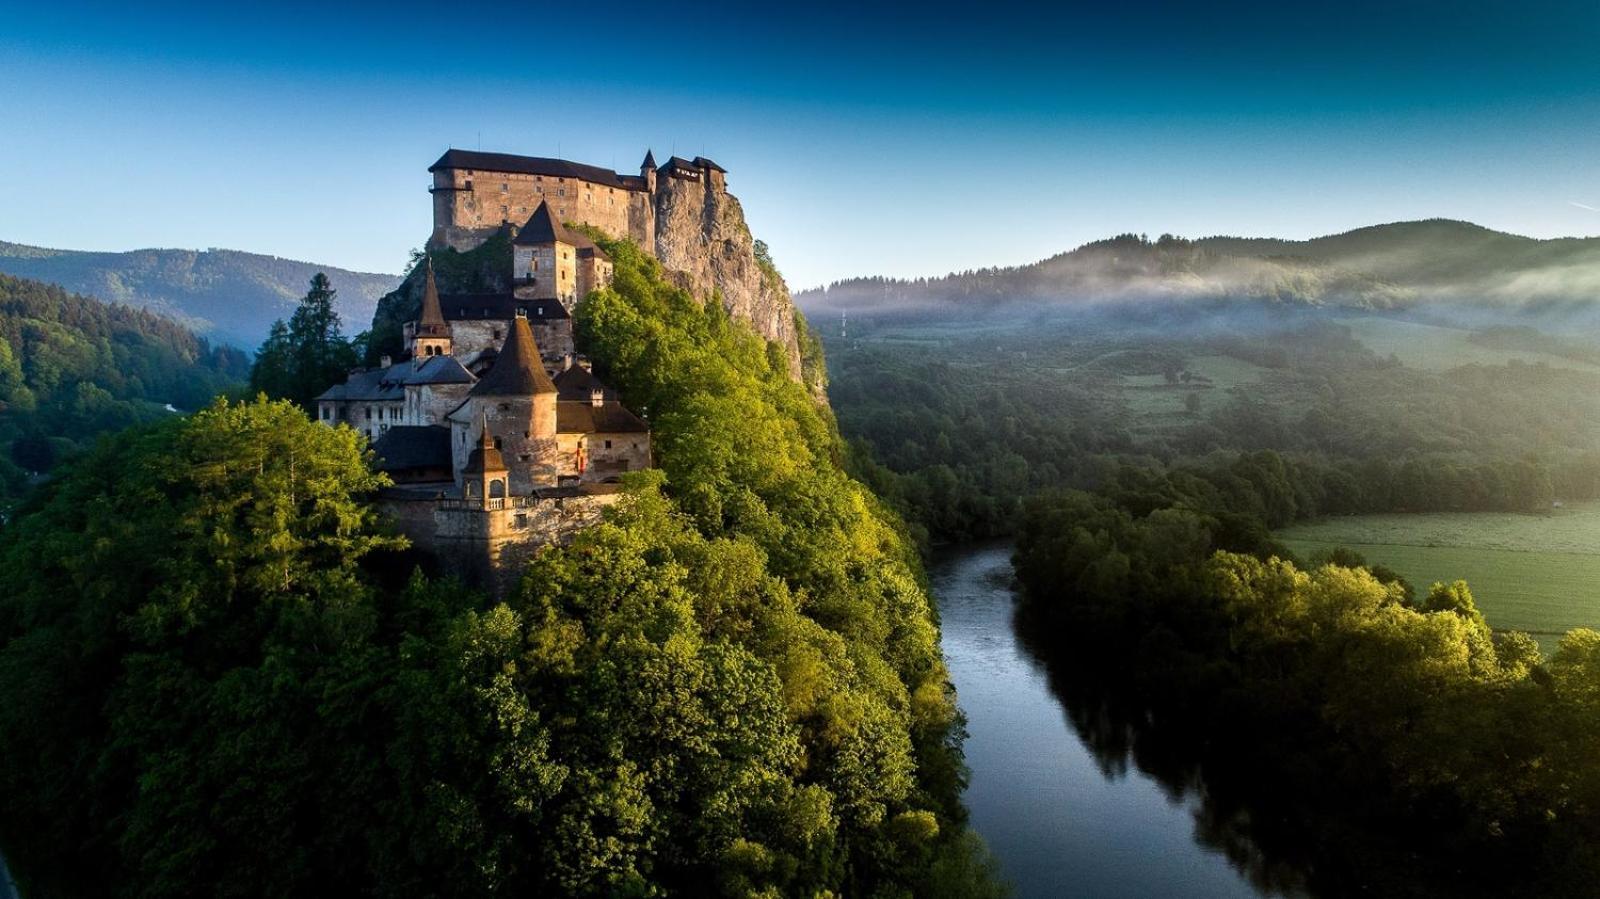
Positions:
{"x": 1441, "y": 348}
{"x": 1539, "y": 573}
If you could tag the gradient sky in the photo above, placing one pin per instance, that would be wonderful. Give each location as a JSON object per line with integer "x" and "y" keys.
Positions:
{"x": 861, "y": 140}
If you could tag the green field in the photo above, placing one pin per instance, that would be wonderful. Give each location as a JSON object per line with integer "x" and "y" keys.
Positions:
{"x": 1437, "y": 348}
{"x": 1152, "y": 395}
{"x": 1539, "y": 573}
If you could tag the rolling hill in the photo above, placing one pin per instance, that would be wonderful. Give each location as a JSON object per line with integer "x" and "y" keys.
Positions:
{"x": 1384, "y": 267}
{"x": 227, "y": 295}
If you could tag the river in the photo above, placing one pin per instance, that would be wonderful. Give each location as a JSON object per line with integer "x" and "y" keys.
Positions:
{"x": 1059, "y": 824}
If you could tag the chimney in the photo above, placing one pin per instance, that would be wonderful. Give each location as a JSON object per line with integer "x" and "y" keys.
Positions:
{"x": 384, "y": 361}
{"x": 566, "y": 362}
{"x": 597, "y": 397}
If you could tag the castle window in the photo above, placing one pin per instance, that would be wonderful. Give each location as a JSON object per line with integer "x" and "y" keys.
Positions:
{"x": 608, "y": 444}
{"x": 369, "y": 413}
{"x": 504, "y": 187}
{"x": 496, "y": 333}
{"x": 525, "y": 457}
{"x": 497, "y": 444}
{"x": 505, "y": 407}
{"x": 469, "y": 184}
{"x": 561, "y": 192}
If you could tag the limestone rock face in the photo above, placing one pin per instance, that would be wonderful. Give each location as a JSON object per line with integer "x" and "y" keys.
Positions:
{"x": 702, "y": 234}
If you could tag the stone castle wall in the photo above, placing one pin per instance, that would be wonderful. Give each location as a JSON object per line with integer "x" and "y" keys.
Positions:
{"x": 690, "y": 222}
{"x": 491, "y": 548}
{"x": 520, "y": 425}
{"x": 609, "y": 455}
{"x": 463, "y": 218}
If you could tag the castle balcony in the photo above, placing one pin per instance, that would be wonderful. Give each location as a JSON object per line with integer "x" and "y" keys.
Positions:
{"x": 496, "y": 503}
{"x": 450, "y": 188}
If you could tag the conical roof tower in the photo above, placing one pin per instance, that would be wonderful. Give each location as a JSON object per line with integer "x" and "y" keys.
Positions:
{"x": 484, "y": 458}
{"x": 431, "y": 323}
{"x": 543, "y": 228}
{"x": 517, "y": 371}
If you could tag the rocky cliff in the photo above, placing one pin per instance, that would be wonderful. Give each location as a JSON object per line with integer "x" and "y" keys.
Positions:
{"x": 702, "y": 241}
{"x": 701, "y": 235}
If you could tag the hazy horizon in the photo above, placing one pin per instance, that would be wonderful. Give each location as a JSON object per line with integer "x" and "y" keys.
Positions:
{"x": 861, "y": 141}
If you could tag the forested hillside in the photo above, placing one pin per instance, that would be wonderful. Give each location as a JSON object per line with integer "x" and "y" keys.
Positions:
{"x": 73, "y": 368}
{"x": 1395, "y": 266}
{"x": 220, "y": 679}
{"x": 226, "y": 295}
{"x": 1341, "y": 731}
{"x": 958, "y": 425}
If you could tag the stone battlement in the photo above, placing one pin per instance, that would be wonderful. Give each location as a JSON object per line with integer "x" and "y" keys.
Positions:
{"x": 476, "y": 194}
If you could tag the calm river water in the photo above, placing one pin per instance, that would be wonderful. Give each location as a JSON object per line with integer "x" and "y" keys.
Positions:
{"x": 1059, "y": 825}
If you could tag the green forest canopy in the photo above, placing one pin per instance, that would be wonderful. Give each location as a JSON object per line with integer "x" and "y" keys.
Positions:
{"x": 222, "y": 682}
{"x": 72, "y": 368}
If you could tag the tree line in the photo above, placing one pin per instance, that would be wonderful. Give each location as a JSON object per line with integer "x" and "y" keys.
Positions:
{"x": 1432, "y": 753}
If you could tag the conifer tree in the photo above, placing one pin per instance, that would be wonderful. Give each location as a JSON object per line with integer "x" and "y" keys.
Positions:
{"x": 300, "y": 360}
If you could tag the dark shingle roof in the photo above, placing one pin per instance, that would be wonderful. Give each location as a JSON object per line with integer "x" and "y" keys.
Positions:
{"x": 464, "y": 306}
{"x": 366, "y": 385}
{"x": 411, "y": 446}
{"x": 517, "y": 371}
{"x": 542, "y": 228}
{"x": 706, "y": 163}
{"x": 649, "y": 160}
{"x": 610, "y": 417}
{"x": 501, "y": 306}
{"x": 577, "y": 382}
{"x": 431, "y": 322}
{"x": 678, "y": 162}
{"x": 528, "y": 165}
{"x": 433, "y": 370}
{"x": 389, "y": 384}
{"x": 485, "y": 456}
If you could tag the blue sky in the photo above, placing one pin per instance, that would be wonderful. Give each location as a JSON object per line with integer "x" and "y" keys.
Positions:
{"x": 862, "y": 139}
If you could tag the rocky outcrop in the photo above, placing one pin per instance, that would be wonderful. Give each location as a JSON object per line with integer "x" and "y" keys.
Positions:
{"x": 702, "y": 234}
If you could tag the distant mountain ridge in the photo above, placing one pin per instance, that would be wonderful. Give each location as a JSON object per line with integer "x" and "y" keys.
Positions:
{"x": 1391, "y": 266}
{"x": 227, "y": 295}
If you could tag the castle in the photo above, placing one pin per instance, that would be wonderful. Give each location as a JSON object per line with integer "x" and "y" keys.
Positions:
{"x": 476, "y": 194}
{"x": 497, "y": 436}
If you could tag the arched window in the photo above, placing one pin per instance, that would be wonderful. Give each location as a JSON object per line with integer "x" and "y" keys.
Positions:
{"x": 497, "y": 489}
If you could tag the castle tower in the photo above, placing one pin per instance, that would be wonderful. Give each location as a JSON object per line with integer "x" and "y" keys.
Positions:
{"x": 544, "y": 259}
{"x": 484, "y": 477}
{"x": 432, "y": 336}
{"x": 518, "y": 400}
{"x": 647, "y": 171}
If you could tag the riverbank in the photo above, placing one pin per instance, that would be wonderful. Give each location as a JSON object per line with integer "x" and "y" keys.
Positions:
{"x": 1062, "y": 821}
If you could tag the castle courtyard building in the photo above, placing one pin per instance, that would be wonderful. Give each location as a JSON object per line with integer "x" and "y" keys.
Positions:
{"x": 495, "y": 446}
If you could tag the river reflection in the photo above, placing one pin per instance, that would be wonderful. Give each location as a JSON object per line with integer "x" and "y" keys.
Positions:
{"x": 1062, "y": 788}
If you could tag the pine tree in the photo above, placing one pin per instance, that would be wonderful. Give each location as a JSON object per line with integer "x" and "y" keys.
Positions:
{"x": 301, "y": 359}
